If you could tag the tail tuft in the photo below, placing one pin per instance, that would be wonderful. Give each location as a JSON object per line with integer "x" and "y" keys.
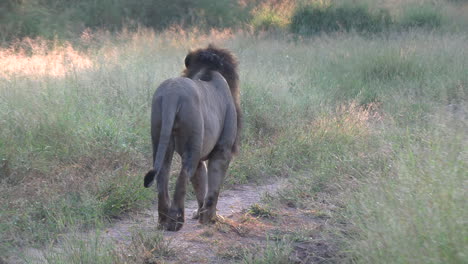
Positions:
{"x": 149, "y": 178}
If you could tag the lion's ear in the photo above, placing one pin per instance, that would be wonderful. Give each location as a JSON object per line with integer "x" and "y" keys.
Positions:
{"x": 188, "y": 58}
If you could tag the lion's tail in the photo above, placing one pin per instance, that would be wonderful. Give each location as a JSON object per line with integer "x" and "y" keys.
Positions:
{"x": 168, "y": 112}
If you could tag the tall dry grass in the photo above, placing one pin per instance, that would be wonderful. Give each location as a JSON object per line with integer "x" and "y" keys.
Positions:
{"x": 366, "y": 120}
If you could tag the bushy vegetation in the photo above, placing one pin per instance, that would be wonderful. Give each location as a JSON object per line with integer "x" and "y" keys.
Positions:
{"x": 272, "y": 15}
{"x": 61, "y": 19}
{"x": 65, "y": 18}
{"x": 425, "y": 16}
{"x": 334, "y": 16}
{"x": 316, "y": 18}
{"x": 266, "y": 20}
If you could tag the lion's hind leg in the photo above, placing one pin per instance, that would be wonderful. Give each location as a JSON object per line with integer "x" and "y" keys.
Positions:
{"x": 164, "y": 201}
{"x": 199, "y": 185}
{"x": 217, "y": 167}
{"x": 176, "y": 212}
{"x": 190, "y": 159}
{"x": 189, "y": 140}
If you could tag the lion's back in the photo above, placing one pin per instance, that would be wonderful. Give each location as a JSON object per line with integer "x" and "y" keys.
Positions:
{"x": 179, "y": 86}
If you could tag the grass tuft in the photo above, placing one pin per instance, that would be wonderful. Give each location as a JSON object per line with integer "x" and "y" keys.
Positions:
{"x": 260, "y": 211}
{"x": 80, "y": 249}
{"x": 275, "y": 252}
{"x": 147, "y": 246}
{"x": 416, "y": 213}
{"x": 123, "y": 194}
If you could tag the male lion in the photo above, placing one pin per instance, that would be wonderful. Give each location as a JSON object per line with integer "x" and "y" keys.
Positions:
{"x": 198, "y": 115}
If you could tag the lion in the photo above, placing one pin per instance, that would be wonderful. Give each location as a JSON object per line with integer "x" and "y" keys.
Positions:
{"x": 197, "y": 115}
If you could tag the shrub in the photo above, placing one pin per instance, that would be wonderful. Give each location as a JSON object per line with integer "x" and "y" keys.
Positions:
{"x": 268, "y": 20}
{"x": 359, "y": 18}
{"x": 27, "y": 19}
{"x": 50, "y": 18}
{"x": 273, "y": 15}
{"x": 312, "y": 19}
{"x": 425, "y": 16}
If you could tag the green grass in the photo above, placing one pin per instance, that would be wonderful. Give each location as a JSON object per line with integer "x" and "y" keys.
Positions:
{"x": 145, "y": 246}
{"x": 271, "y": 17}
{"x": 377, "y": 123}
{"x": 424, "y": 16}
{"x": 377, "y": 17}
{"x": 275, "y": 252}
{"x": 45, "y": 218}
{"x": 123, "y": 194}
{"x": 258, "y": 210}
{"x": 327, "y": 144}
{"x": 81, "y": 249}
{"x": 420, "y": 205}
{"x": 320, "y": 17}
{"x": 64, "y": 19}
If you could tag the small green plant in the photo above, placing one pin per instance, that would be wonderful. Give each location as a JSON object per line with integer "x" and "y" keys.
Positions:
{"x": 147, "y": 246}
{"x": 260, "y": 211}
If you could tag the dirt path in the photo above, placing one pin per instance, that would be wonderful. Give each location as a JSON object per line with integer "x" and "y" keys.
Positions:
{"x": 223, "y": 242}
{"x": 194, "y": 241}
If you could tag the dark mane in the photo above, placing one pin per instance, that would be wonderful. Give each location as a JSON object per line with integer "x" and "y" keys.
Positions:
{"x": 223, "y": 61}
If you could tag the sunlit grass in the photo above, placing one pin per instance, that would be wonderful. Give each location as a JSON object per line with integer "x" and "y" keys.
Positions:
{"x": 35, "y": 58}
